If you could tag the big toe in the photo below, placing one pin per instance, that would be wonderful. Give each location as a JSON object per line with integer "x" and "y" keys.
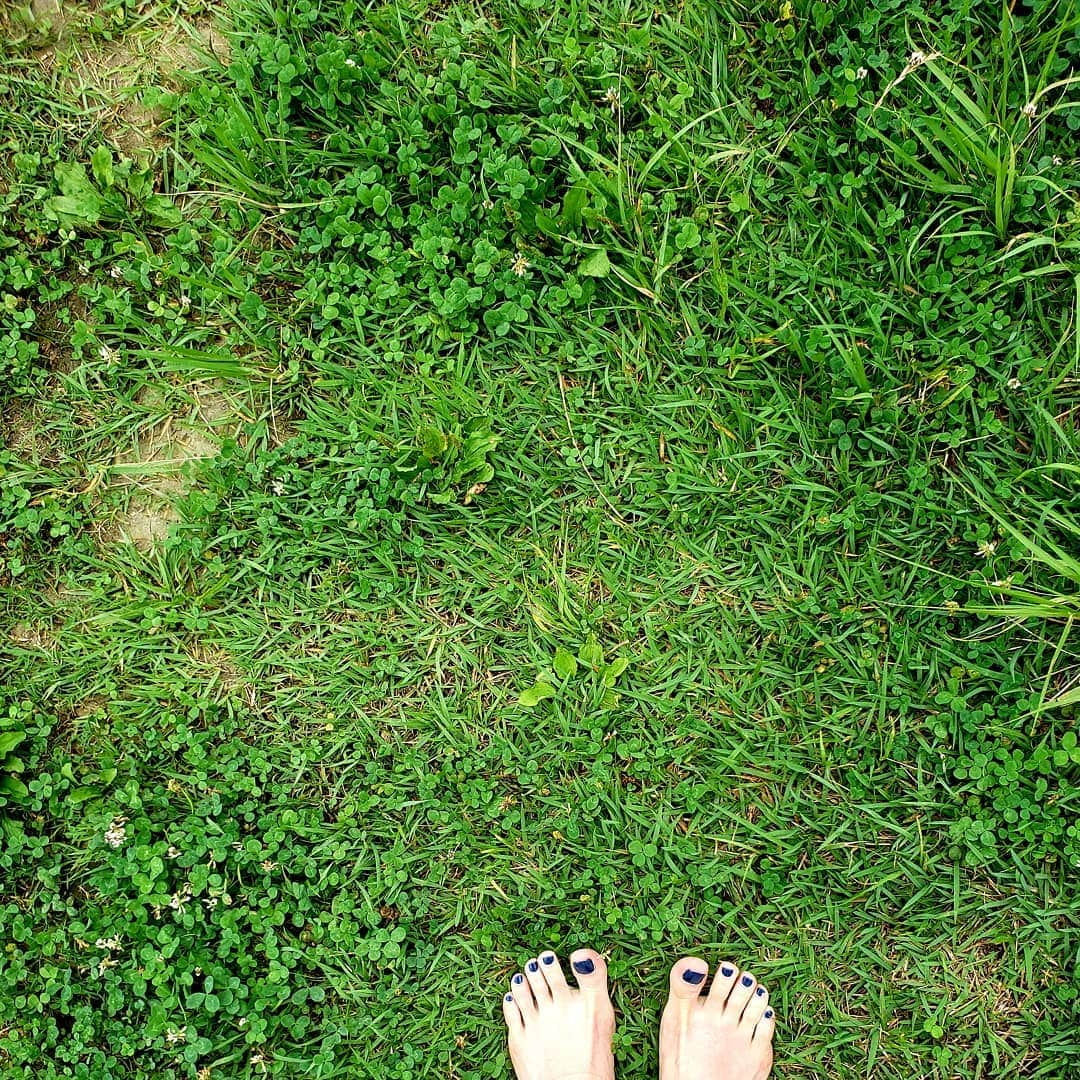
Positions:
{"x": 687, "y": 977}
{"x": 589, "y": 970}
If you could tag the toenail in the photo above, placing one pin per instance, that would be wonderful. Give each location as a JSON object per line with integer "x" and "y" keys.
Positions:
{"x": 693, "y": 977}
{"x": 584, "y": 967}
{"x": 533, "y": 965}
{"x": 549, "y": 959}
{"x": 727, "y": 972}
{"x": 768, "y": 1014}
{"x": 747, "y": 980}
{"x": 509, "y": 997}
{"x": 760, "y": 991}
{"x": 519, "y": 978}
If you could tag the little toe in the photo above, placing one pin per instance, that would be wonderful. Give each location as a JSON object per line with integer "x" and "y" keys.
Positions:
{"x": 523, "y": 997}
{"x": 512, "y": 1014}
{"x": 724, "y": 978}
{"x": 553, "y": 973}
{"x": 590, "y": 970}
{"x": 687, "y": 976}
{"x": 741, "y": 994}
{"x": 763, "y": 1033}
{"x": 541, "y": 990}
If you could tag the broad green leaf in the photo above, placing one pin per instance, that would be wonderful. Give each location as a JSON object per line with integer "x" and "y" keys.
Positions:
{"x": 536, "y": 693}
{"x": 101, "y": 162}
{"x": 80, "y": 209}
{"x": 9, "y": 785}
{"x": 591, "y": 654}
{"x": 82, "y": 794}
{"x": 10, "y": 739}
{"x": 564, "y": 663}
{"x": 615, "y": 669}
{"x": 573, "y": 203}
{"x": 433, "y": 443}
{"x": 595, "y": 264}
{"x": 163, "y": 211}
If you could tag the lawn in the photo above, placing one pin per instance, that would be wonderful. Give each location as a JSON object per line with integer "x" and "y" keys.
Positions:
{"x": 480, "y": 477}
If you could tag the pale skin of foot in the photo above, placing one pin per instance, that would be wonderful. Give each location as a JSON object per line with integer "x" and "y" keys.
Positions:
{"x": 725, "y": 1034}
{"x": 557, "y": 1032}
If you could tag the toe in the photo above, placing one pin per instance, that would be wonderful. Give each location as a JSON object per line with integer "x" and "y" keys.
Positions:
{"x": 724, "y": 978}
{"x": 741, "y": 994}
{"x": 590, "y": 970}
{"x": 523, "y": 997}
{"x": 512, "y": 1014}
{"x": 763, "y": 1033}
{"x": 553, "y": 974}
{"x": 537, "y": 982}
{"x": 756, "y": 1006}
{"x": 687, "y": 977}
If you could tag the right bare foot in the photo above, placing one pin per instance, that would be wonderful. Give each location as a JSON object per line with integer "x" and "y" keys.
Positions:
{"x": 725, "y": 1035}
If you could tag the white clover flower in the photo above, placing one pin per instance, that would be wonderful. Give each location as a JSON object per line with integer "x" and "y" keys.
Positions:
{"x": 1030, "y": 109}
{"x": 84, "y": 269}
{"x": 916, "y": 58}
{"x": 116, "y": 273}
{"x": 185, "y": 301}
{"x": 269, "y": 864}
{"x": 173, "y": 852}
{"x": 520, "y": 265}
{"x": 108, "y": 355}
{"x": 611, "y": 98}
{"x": 116, "y": 834}
{"x": 277, "y": 487}
{"x": 1014, "y": 383}
{"x": 111, "y": 944}
{"x": 986, "y": 548}
{"x": 1057, "y": 159}
{"x": 175, "y": 1035}
{"x": 951, "y": 607}
{"x": 210, "y": 902}
{"x": 861, "y": 73}
{"x": 180, "y": 898}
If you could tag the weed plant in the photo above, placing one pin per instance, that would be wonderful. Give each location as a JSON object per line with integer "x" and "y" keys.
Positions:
{"x": 641, "y": 511}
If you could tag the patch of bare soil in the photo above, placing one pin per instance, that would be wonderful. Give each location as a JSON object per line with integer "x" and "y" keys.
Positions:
{"x": 158, "y": 467}
{"x": 19, "y": 431}
{"x": 112, "y": 76}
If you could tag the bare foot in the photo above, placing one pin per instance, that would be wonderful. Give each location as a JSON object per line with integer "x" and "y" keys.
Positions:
{"x": 725, "y": 1035}
{"x": 555, "y": 1031}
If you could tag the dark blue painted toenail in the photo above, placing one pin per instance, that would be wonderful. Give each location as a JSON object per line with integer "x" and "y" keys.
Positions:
{"x": 727, "y": 972}
{"x": 519, "y": 979}
{"x": 693, "y": 977}
{"x": 533, "y": 965}
{"x": 549, "y": 959}
{"x": 768, "y": 1014}
{"x": 747, "y": 980}
{"x": 760, "y": 991}
{"x": 509, "y": 997}
{"x": 584, "y": 967}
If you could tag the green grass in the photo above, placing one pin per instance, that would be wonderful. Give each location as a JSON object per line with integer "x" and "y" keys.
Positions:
{"x": 725, "y": 348}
